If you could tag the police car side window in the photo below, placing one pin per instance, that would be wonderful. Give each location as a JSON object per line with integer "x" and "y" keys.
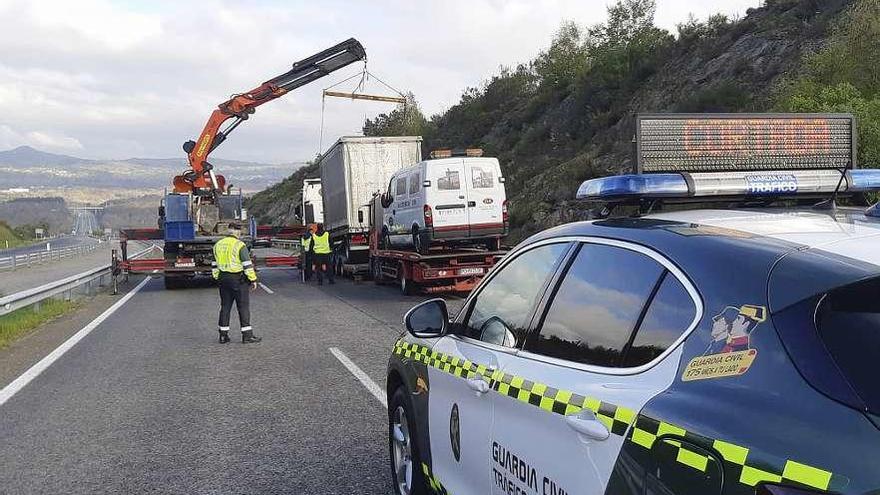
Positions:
{"x": 671, "y": 312}
{"x": 401, "y": 186}
{"x": 597, "y": 306}
{"x": 502, "y": 309}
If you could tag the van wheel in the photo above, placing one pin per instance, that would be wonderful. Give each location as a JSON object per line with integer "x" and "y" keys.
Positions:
{"x": 385, "y": 242}
{"x": 406, "y": 461}
{"x": 407, "y": 287}
{"x": 419, "y": 241}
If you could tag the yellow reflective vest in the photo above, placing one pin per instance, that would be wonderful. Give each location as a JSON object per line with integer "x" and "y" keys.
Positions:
{"x": 322, "y": 243}
{"x": 306, "y": 243}
{"x": 227, "y": 258}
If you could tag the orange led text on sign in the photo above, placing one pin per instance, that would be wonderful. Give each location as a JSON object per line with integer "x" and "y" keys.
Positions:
{"x": 749, "y": 137}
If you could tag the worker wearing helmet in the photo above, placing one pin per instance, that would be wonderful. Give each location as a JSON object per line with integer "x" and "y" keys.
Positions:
{"x": 306, "y": 253}
{"x": 233, "y": 269}
{"x": 321, "y": 254}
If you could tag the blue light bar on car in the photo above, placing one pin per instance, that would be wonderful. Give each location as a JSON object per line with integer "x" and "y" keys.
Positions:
{"x": 728, "y": 184}
{"x": 621, "y": 186}
{"x": 864, "y": 180}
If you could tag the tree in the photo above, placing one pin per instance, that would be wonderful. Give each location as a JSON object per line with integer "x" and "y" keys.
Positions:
{"x": 845, "y": 77}
{"x": 405, "y": 120}
{"x": 566, "y": 59}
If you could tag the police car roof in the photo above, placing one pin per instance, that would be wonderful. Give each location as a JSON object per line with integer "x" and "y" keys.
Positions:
{"x": 838, "y": 247}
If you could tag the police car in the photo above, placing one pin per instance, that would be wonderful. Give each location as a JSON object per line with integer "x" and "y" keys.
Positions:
{"x": 694, "y": 349}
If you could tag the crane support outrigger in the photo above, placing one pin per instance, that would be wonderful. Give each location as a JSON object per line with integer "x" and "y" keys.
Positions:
{"x": 201, "y": 208}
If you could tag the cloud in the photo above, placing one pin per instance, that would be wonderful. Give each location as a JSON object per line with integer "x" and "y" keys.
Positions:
{"x": 124, "y": 78}
{"x": 41, "y": 139}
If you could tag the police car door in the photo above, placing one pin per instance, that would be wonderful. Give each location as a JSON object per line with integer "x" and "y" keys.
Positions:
{"x": 460, "y": 408}
{"x": 563, "y": 405}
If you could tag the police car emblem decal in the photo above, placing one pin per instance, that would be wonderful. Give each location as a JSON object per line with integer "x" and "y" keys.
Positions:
{"x": 730, "y": 353}
{"x": 455, "y": 432}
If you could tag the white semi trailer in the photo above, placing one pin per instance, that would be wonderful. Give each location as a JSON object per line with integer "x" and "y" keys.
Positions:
{"x": 352, "y": 171}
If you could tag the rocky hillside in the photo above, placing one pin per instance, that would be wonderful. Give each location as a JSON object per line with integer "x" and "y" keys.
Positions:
{"x": 276, "y": 205}
{"x": 569, "y": 114}
{"x": 549, "y": 139}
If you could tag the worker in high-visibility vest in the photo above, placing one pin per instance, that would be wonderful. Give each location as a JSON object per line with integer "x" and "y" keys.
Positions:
{"x": 321, "y": 255}
{"x": 233, "y": 269}
{"x": 305, "y": 264}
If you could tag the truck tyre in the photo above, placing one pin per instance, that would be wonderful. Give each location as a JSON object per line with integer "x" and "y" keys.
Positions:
{"x": 407, "y": 287}
{"x": 171, "y": 283}
{"x": 403, "y": 446}
{"x": 376, "y": 272}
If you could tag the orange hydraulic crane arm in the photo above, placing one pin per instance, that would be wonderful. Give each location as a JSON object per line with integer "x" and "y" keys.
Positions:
{"x": 241, "y": 106}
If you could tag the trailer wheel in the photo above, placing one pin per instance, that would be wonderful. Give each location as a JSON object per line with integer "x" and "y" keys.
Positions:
{"x": 407, "y": 287}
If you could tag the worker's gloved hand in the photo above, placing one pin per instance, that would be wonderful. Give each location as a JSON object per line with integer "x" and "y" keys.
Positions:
{"x": 253, "y": 286}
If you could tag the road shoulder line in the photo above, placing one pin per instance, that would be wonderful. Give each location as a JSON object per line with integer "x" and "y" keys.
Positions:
{"x": 34, "y": 371}
{"x": 265, "y": 288}
{"x": 362, "y": 377}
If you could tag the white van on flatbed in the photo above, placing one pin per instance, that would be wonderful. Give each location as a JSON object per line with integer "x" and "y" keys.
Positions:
{"x": 453, "y": 200}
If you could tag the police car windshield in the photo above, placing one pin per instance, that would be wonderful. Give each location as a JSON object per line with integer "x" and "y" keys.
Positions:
{"x": 848, "y": 321}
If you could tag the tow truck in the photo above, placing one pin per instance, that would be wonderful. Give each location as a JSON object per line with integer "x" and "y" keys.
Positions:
{"x": 201, "y": 207}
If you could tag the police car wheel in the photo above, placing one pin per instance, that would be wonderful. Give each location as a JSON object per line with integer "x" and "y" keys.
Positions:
{"x": 406, "y": 470}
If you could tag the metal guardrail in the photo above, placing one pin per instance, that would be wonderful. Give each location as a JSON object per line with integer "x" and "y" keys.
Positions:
{"x": 15, "y": 262}
{"x": 65, "y": 286}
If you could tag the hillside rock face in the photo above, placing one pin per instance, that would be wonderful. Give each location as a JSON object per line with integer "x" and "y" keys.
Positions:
{"x": 277, "y": 204}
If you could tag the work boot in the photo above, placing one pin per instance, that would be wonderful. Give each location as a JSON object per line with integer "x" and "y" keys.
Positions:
{"x": 224, "y": 336}
{"x": 248, "y": 337}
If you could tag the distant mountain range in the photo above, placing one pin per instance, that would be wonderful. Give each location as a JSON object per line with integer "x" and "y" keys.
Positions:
{"x": 26, "y": 167}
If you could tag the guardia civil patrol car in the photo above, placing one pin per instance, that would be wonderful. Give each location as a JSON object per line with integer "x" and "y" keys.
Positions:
{"x": 692, "y": 349}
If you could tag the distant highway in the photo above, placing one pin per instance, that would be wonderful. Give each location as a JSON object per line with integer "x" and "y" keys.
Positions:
{"x": 58, "y": 243}
{"x": 149, "y": 402}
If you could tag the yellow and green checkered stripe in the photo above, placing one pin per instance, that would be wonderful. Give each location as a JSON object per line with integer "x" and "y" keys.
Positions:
{"x": 742, "y": 464}
{"x": 563, "y": 402}
{"x": 433, "y": 483}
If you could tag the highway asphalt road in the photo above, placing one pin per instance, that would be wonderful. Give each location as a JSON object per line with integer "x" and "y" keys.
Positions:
{"x": 58, "y": 243}
{"x": 149, "y": 402}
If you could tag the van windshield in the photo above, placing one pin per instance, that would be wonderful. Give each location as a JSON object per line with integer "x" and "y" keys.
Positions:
{"x": 848, "y": 322}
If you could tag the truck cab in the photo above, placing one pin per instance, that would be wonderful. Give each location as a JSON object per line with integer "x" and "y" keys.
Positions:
{"x": 454, "y": 199}
{"x": 312, "y": 209}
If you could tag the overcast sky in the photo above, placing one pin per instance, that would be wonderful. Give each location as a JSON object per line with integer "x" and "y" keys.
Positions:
{"x": 101, "y": 79}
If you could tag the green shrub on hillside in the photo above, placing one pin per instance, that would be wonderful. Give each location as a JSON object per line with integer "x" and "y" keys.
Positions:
{"x": 845, "y": 77}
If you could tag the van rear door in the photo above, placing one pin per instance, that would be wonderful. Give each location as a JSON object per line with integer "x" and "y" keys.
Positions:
{"x": 485, "y": 196}
{"x": 448, "y": 197}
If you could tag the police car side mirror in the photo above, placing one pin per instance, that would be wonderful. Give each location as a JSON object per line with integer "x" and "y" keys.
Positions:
{"x": 428, "y": 319}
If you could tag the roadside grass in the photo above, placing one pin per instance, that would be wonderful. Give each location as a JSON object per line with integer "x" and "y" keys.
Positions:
{"x": 18, "y": 323}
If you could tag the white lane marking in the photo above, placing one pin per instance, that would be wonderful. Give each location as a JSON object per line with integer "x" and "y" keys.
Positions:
{"x": 362, "y": 377}
{"x": 35, "y": 370}
{"x": 270, "y": 291}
